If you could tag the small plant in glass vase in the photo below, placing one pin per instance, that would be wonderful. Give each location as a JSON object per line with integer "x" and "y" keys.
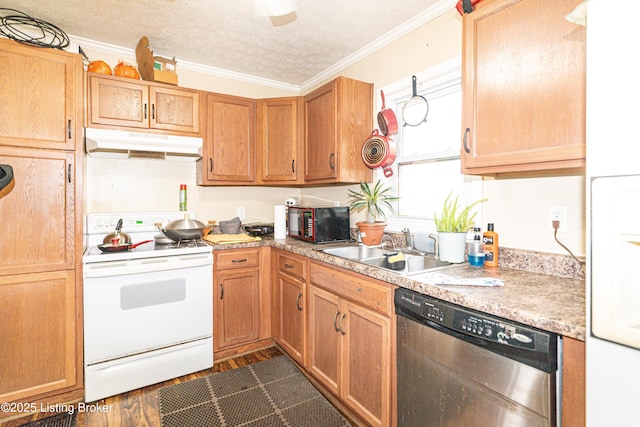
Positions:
{"x": 452, "y": 227}
{"x": 373, "y": 201}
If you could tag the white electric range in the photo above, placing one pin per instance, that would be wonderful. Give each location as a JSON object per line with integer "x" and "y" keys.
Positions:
{"x": 148, "y": 312}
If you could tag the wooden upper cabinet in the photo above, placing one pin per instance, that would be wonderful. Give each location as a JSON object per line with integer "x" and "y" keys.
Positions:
{"x": 40, "y": 97}
{"x": 38, "y": 222}
{"x": 338, "y": 120}
{"x": 121, "y": 102}
{"x": 523, "y": 87}
{"x": 174, "y": 109}
{"x": 229, "y": 152}
{"x": 281, "y": 140}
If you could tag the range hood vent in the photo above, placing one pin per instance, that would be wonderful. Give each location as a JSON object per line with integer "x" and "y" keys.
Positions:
{"x": 118, "y": 144}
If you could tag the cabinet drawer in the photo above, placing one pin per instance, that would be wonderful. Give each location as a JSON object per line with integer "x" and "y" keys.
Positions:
{"x": 292, "y": 265}
{"x": 230, "y": 259}
{"x": 354, "y": 287}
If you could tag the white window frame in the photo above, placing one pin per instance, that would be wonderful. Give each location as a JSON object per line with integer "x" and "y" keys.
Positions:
{"x": 439, "y": 76}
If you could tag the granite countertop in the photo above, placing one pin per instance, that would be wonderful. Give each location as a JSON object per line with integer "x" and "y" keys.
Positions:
{"x": 545, "y": 301}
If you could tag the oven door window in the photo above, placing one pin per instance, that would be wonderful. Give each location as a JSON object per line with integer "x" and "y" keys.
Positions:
{"x": 139, "y": 295}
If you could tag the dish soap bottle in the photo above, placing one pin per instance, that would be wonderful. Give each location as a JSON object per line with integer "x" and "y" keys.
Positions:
{"x": 475, "y": 253}
{"x": 490, "y": 239}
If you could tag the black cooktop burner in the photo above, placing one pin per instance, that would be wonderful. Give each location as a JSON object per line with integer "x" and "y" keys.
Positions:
{"x": 191, "y": 243}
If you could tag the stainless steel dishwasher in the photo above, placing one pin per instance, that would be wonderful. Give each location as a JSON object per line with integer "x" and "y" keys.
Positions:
{"x": 459, "y": 367}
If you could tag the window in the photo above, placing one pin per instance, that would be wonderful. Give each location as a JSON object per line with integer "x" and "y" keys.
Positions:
{"x": 427, "y": 165}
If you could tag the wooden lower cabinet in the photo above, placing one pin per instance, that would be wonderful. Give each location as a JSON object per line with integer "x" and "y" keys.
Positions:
{"x": 573, "y": 383}
{"x": 241, "y": 299}
{"x": 238, "y": 308}
{"x": 38, "y": 333}
{"x": 289, "y": 290}
{"x": 351, "y": 340}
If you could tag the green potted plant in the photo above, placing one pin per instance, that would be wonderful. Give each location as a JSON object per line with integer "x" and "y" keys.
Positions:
{"x": 452, "y": 227}
{"x": 373, "y": 201}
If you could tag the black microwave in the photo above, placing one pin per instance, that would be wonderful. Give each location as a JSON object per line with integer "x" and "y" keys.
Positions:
{"x": 319, "y": 224}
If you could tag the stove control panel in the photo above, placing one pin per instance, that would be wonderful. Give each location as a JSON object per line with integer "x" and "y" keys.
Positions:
{"x": 132, "y": 222}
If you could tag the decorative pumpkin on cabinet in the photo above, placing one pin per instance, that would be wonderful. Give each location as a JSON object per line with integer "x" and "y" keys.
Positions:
{"x": 100, "y": 67}
{"x": 126, "y": 70}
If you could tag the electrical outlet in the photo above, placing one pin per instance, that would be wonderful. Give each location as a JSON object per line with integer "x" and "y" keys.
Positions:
{"x": 557, "y": 213}
{"x": 240, "y": 212}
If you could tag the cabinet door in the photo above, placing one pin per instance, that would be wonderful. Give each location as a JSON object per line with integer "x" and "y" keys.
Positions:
{"x": 366, "y": 385}
{"x": 118, "y": 103}
{"x": 37, "y": 226}
{"x": 523, "y": 87}
{"x": 38, "y": 334}
{"x": 321, "y": 148}
{"x": 324, "y": 343}
{"x": 229, "y": 148}
{"x": 236, "y": 308}
{"x": 280, "y": 126}
{"x": 41, "y": 97}
{"x": 292, "y": 314}
{"x": 174, "y": 109}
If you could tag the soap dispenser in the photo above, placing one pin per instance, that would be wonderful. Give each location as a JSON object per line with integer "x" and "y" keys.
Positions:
{"x": 475, "y": 252}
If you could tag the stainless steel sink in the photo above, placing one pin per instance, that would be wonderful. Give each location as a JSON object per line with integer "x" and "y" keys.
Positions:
{"x": 375, "y": 257}
{"x": 414, "y": 264}
{"x": 356, "y": 252}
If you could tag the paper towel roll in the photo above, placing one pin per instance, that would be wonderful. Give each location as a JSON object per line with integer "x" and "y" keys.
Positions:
{"x": 279, "y": 222}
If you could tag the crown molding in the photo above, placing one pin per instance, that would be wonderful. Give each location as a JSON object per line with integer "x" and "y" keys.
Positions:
{"x": 417, "y": 21}
{"x": 186, "y": 65}
{"x": 393, "y": 35}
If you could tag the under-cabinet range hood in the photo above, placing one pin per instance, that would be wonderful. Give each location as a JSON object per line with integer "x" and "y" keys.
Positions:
{"x": 118, "y": 144}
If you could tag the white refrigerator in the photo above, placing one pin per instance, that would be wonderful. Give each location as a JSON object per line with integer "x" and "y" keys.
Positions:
{"x": 613, "y": 214}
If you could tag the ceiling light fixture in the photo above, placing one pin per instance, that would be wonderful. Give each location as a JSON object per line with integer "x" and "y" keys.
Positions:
{"x": 276, "y": 7}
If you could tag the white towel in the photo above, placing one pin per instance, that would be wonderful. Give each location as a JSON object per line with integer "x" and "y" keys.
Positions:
{"x": 443, "y": 279}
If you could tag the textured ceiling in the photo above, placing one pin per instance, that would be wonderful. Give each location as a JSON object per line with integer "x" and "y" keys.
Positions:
{"x": 230, "y": 35}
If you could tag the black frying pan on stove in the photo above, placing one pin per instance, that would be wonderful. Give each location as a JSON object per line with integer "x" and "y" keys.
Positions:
{"x": 120, "y": 247}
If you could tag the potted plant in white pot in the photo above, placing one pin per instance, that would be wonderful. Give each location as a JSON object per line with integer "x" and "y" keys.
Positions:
{"x": 452, "y": 228}
{"x": 373, "y": 201}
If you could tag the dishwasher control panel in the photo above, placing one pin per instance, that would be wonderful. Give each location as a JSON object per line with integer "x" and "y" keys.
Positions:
{"x": 508, "y": 338}
{"x": 480, "y": 325}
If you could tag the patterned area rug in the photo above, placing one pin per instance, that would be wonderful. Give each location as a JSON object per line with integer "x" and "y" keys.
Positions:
{"x": 272, "y": 393}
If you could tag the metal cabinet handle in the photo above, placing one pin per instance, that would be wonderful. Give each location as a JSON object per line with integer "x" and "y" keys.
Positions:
{"x": 221, "y": 290}
{"x": 153, "y": 111}
{"x": 464, "y": 140}
{"x": 342, "y": 320}
{"x": 69, "y": 173}
{"x": 335, "y": 322}
{"x": 332, "y": 161}
{"x": 239, "y": 260}
{"x": 288, "y": 265}
{"x": 69, "y": 128}
{"x": 145, "y": 111}
{"x": 298, "y": 302}
{"x": 210, "y": 164}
